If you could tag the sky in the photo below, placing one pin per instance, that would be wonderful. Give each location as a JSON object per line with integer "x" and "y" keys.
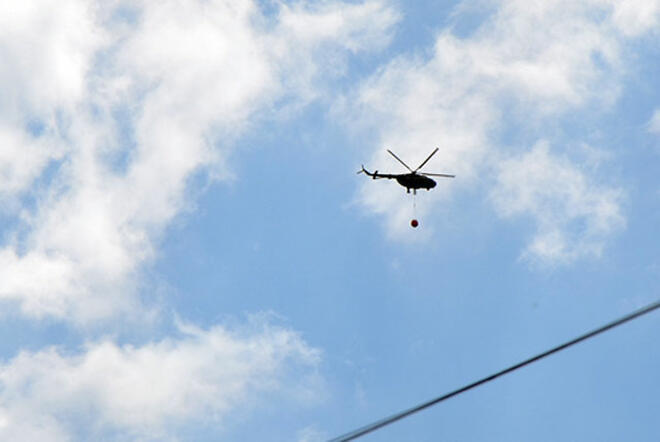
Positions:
{"x": 187, "y": 252}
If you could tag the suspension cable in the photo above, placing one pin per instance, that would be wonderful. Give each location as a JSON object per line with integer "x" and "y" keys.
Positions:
{"x": 398, "y": 416}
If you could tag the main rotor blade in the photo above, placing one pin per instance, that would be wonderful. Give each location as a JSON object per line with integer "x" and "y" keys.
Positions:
{"x": 438, "y": 174}
{"x": 426, "y": 160}
{"x": 399, "y": 160}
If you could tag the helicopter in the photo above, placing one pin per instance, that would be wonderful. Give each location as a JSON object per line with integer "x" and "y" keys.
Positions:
{"x": 413, "y": 180}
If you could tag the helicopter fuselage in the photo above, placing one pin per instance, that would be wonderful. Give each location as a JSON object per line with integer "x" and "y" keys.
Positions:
{"x": 415, "y": 181}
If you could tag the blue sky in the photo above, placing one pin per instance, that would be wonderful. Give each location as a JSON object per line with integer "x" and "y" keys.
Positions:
{"x": 186, "y": 252}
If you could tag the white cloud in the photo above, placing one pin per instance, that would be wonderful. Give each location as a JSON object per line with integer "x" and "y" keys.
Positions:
{"x": 151, "y": 391}
{"x": 312, "y": 434}
{"x": 654, "y": 123}
{"x": 108, "y": 110}
{"x": 46, "y": 51}
{"x": 635, "y": 17}
{"x": 129, "y": 100}
{"x": 573, "y": 215}
{"x": 528, "y": 64}
{"x": 22, "y": 158}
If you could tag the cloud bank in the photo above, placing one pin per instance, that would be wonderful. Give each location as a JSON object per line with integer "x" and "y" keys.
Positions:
{"x": 149, "y": 391}
{"x": 574, "y": 216}
{"x": 489, "y": 98}
{"x": 114, "y": 106}
{"x": 108, "y": 110}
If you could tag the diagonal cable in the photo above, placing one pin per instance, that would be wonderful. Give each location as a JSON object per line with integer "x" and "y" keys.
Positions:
{"x": 398, "y": 416}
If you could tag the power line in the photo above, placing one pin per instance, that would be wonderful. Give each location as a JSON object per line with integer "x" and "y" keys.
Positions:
{"x": 402, "y": 414}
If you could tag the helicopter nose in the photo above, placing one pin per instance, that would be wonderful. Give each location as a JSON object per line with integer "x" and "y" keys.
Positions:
{"x": 433, "y": 184}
